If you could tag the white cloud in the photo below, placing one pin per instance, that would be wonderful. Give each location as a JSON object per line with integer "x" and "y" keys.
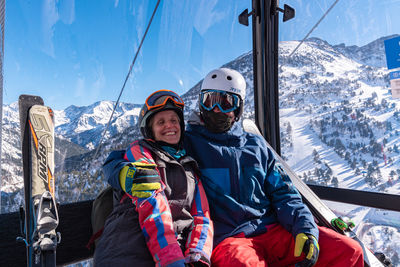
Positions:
{"x": 80, "y": 87}
{"x": 139, "y": 13}
{"x": 207, "y": 16}
{"x": 307, "y": 11}
{"x": 99, "y": 83}
{"x": 141, "y": 19}
{"x": 17, "y": 66}
{"x": 391, "y": 2}
{"x": 49, "y": 19}
{"x": 67, "y": 11}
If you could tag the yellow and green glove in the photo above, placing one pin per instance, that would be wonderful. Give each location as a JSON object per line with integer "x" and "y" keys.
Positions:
{"x": 309, "y": 245}
{"x": 140, "y": 179}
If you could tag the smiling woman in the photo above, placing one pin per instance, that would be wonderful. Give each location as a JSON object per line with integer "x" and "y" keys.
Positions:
{"x": 161, "y": 217}
{"x": 165, "y": 126}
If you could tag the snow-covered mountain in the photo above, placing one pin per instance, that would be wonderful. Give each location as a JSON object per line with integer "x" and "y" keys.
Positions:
{"x": 85, "y": 125}
{"x": 339, "y": 126}
{"x": 371, "y": 54}
{"x": 344, "y": 110}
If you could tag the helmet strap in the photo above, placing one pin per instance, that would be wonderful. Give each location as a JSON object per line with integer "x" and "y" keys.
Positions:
{"x": 239, "y": 110}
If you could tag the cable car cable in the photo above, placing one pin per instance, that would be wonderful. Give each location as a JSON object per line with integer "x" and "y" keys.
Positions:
{"x": 123, "y": 86}
{"x": 313, "y": 28}
{"x": 127, "y": 77}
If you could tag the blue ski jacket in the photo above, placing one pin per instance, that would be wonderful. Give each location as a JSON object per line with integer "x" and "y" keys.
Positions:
{"x": 246, "y": 188}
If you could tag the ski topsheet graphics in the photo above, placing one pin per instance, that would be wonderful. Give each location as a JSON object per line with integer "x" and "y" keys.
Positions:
{"x": 320, "y": 211}
{"x": 41, "y": 215}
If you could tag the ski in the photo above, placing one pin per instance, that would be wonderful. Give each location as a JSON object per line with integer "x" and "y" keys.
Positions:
{"x": 41, "y": 215}
{"x": 322, "y": 213}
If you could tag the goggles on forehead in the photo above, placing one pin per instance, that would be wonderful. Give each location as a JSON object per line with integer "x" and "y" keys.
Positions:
{"x": 159, "y": 99}
{"x": 226, "y": 102}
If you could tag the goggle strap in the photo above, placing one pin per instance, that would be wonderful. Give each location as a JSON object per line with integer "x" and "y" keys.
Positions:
{"x": 219, "y": 106}
{"x": 169, "y": 95}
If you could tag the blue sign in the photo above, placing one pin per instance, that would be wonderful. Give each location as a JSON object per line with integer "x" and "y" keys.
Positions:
{"x": 395, "y": 75}
{"x": 392, "y": 48}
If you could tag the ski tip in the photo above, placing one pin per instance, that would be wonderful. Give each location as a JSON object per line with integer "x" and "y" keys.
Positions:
{"x": 31, "y": 98}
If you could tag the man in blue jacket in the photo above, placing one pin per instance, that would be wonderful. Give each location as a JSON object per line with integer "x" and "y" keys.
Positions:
{"x": 259, "y": 217}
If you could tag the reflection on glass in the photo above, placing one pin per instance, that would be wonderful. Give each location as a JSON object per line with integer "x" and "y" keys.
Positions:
{"x": 336, "y": 105}
{"x": 378, "y": 229}
{"x": 76, "y": 56}
{"x": 340, "y": 124}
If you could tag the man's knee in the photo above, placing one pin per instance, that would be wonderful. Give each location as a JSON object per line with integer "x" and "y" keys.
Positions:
{"x": 236, "y": 252}
{"x": 356, "y": 252}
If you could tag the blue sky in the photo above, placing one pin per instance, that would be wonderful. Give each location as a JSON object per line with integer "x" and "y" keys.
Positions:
{"x": 79, "y": 52}
{"x": 355, "y": 22}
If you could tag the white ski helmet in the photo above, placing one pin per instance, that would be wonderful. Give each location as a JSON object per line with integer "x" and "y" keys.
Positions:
{"x": 225, "y": 79}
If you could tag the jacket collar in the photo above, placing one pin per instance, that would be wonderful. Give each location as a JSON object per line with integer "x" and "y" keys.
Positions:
{"x": 233, "y": 137}
{"x": 164, "y": 155}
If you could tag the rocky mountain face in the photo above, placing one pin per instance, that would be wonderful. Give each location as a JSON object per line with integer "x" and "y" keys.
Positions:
{"x": 372, "y": 54}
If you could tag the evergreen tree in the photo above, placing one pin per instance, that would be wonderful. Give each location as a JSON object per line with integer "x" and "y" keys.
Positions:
{"x": 384, "y": 103}
{"x": 388, "y": 126}
{"x": 353, "y": 164}
{"x": 289, "y": 129}
{"x": 316, "y": 156}
{"x": 347, "y": 156}
{"x": 335, "y": 181}
{"x": 328, "y": 169}
{"x": 385, "y": 141}
{"x": 375, "y": 164}
{"x": 339, "y": 145}
{"x": 317, "y": 172}
{"x": 370, "y": 169}
{"x": 396, "y": 148}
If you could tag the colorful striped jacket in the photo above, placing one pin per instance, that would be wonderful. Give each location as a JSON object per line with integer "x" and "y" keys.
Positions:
{"x": 175, "y": 220}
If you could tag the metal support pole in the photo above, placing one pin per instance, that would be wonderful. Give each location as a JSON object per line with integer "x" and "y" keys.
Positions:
{"x": 265, "y": 71}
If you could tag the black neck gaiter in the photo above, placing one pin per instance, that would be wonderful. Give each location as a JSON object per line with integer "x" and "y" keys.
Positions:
{"x": 217, "y": 122}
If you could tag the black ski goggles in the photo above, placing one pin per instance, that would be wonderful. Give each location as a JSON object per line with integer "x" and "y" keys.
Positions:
{"x": 159, "y": 99}
{"x": 226, "y": 102}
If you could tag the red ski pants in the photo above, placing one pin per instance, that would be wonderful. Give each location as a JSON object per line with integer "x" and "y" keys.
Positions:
{"x": 276, "y": 248}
